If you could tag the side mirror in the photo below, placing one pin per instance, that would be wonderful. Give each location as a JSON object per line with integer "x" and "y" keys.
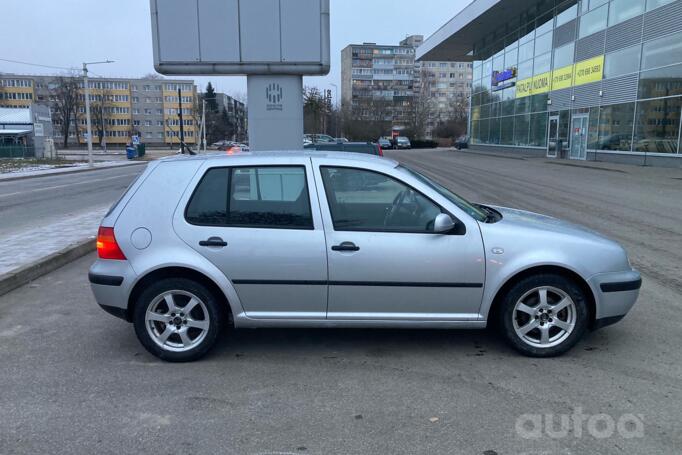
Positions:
{"x": 443, "y": 224}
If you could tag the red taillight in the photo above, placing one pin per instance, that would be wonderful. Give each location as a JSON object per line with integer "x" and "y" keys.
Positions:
{"x": 107, "y": 248}
{"x": 381, "y": 152}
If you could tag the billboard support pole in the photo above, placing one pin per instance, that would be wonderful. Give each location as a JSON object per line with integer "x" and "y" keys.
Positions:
{"x": 275, "y": 112}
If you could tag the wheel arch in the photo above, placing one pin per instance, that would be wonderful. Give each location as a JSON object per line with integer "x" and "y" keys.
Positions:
{"x": 543, "y": 269}
{"x": 178, "y": 272}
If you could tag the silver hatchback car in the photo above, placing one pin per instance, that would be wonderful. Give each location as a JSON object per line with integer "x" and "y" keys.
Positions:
{"x": 315, "y": 239}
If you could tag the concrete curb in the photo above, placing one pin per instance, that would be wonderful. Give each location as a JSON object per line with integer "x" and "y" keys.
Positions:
{"x": 71, "y": 171}
{"x": 40, "y": 267}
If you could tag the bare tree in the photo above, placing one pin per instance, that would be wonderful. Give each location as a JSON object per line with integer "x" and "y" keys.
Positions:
{"x": 65, "y": 97}
{"x": 369, "y": 119}
{"x": 423, "y": 104}
{"x": 315, "y": 110}
{"x": 100, "y": 112}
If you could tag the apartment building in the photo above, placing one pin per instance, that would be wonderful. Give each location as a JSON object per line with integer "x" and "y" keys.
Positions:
{"x": 385, "y": 81}
{"x": 236, "y": 114}
{"x": 144, "y": 107}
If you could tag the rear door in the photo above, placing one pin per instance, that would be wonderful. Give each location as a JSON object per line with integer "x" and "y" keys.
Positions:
{"x": 256, "y": 223}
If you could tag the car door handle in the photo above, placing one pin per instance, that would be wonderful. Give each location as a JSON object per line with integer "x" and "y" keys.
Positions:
{"x": 213, "y": 241}
{"x": 346, "y": 246}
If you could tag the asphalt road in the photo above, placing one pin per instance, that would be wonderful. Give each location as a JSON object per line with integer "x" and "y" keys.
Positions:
{"x": 75, "y": 380}
{"x": 38, "y": 201}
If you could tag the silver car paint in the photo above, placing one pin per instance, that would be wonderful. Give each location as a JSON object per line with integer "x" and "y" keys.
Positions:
{"x": 524, "y": 239}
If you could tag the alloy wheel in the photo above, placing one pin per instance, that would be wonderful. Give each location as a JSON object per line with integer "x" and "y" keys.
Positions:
{"x": 544, "y": 317}
{"x": 177, "y": 321}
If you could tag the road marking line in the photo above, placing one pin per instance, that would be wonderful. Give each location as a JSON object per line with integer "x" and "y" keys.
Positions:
{"x": 64, "y": 186}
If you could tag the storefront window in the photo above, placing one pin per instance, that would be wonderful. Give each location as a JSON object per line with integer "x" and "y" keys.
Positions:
{"x": 563, "y": 56}
{"x": 487, "y": 68}
{"x": 507, "y": 131}
{"x": 544, "y": 23}
{"x": 526, "y": 51}
{"x": 539, "y": 102}
{"x": 538, "y": 130}
{"x": 657, "y": 126}
{"x": 483, "y": 128}
{"x": 622, "y": 10}
{"x": 593, "y": 21}
{"x": 523, "y": 105}
{"x": 543, "y": 63}
{"x": 661, "y": 82}
{"x": 651, "y": 4}
{"x": 663, "y": 51}
{"x": 543, "y": 43}
{"x": 521, "y": 124}
{"x": 476, "y": 73}
{"x": 593, "y": 129}
{"x": 507, "y": 107}
{"x": 524, "y": 70}
{"x": 615, "y": 127}
{"x": 624, "y": 61}
{"x": 567, "y": 15}
{"x": 510, "y": 58}
{"x": 498, "y": 63}
{"x": 494, "y": 134}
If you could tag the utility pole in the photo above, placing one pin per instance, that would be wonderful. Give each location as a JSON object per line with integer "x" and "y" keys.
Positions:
{"x": 203, "y": 123}
{"x": 182, "y": 130}
{"x": 335, "y": 109}
{"x": 86, "y": 86}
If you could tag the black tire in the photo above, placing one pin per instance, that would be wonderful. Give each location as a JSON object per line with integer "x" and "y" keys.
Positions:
{"x": 213, "y": 308}
{"x": 506, "y": 314}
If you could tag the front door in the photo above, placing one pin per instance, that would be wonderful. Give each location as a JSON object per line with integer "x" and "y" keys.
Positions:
{"x": 385, "y": 261}
{"x": 553, "y": 136}
{"x": 579, "y": 137}
{"x": 256, "y": 224}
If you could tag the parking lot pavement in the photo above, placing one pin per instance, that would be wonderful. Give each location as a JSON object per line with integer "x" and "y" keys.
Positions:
{"x": 75, "y": 380}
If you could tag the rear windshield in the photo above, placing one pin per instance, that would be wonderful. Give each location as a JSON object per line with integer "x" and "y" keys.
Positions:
{"x": 118, "y": 201}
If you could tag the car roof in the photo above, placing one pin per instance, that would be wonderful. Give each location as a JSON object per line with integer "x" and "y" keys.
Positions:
{"x": 264, "y": 157}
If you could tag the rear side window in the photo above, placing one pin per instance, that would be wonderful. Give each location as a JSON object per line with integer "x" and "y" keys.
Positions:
{"x": 264, "y": 197}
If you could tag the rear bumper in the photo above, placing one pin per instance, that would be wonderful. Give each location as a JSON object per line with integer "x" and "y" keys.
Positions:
{"x": 615, "y": 294}
{"x": 111, "y": 283}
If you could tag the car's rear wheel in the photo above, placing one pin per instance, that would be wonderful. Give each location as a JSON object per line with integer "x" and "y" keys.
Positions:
{"x": 544, "y": 315}
{"x": 177, "y": 319}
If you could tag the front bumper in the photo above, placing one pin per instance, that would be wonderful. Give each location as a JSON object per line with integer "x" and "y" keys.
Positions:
{"x": 615, "y": 294}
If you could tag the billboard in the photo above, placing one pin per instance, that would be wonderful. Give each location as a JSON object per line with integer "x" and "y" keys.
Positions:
{"x": 249, "y": 37}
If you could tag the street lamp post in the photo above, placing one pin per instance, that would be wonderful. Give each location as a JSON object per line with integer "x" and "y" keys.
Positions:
{"x": 86, "y": 85}
{"x": 336, "y": 102}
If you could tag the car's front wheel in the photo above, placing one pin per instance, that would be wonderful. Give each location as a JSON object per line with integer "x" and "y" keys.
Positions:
{"x": 544, "y": 315}
{"x": 177, "y": 319}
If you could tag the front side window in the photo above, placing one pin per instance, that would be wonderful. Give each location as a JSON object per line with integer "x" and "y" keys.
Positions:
{"x": 259, "y": 197}
{"x": 362, "y": 200}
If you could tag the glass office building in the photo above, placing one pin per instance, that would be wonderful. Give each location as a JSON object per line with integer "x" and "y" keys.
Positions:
{"x": 590, "y": 79}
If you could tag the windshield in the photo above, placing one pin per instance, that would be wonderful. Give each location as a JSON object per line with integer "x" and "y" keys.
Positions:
{"x": 460, "y": 202}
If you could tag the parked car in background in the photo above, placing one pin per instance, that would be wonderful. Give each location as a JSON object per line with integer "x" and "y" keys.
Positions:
{"x": 300, "y": 239}
{"x": 219, "y": 144}
{"x": 369, "y": 148}
{"x": 324, "y": 138}
{"x": 385, "y": 143}
{"x": 401, "y": 142}
{"x": 462, "y": 142}
{"x": 341, "y": 139}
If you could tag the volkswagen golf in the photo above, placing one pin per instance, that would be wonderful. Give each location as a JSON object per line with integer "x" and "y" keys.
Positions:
{"x": 200, "y": 245}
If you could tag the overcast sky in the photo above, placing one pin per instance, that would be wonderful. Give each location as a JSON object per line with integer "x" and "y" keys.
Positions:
{"x": 66, "y": 33}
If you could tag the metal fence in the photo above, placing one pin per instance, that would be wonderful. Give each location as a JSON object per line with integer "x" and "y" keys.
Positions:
{"x": 17, "y": 151}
